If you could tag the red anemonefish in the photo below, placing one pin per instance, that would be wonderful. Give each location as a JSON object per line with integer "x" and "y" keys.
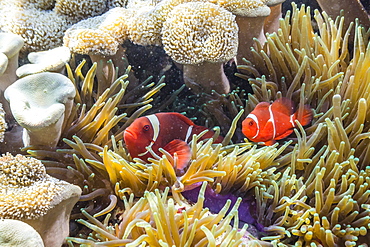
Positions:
{"x": 270, "y": 122}
{"x": 169, "y": 130}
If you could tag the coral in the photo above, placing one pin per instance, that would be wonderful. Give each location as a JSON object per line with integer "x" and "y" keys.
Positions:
{"x": 41, "y": 103}
{"x": 42, "y": 23}
{"x": 271, "y": 23}
{"x": 206, "y": 50}
{"x": 30, "y": 195}
{"x": 351, "y": 10}
{"x": 101, "y": 37}
{"x": 95, "y": 121}
{"x": 148, "y": 21}
{"x": 79, "y": 10}
{"x": 17, "y": 234}
{"x": 10, "y": 45}
{"x": 40, "y": 29}
{"x": 250, "y": 17}
{"x": 53, "y": 60}
{"x": 308, "y": 190}
{"x": 3, "y": 124}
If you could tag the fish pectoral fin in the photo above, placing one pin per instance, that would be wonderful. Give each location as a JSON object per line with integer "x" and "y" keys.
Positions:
{"x": 285, "y": 134}
{"x": 182, "y": 150}
{"x": 270, "y": 142}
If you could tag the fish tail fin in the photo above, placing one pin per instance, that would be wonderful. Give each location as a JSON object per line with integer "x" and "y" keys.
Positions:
{"x": 305, "y": 117}
{"x": 198, "y": 129}
{"x": 182, "y": 151}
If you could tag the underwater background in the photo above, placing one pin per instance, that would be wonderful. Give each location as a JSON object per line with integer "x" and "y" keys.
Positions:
{"x": 76, "y": 74}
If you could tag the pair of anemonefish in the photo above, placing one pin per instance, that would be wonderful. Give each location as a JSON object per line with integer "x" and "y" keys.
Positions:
{"x": 270, "y": 122}
{"x": 171, "y": 131}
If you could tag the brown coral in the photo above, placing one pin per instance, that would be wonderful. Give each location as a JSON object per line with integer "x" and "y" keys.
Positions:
{"x": 201, "y": 36}
{"x": 27, "y": 193}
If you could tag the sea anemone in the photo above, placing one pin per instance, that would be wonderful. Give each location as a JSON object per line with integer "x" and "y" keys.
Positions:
{"x": 156, "y": 219}
{"x": 320, "y": 195}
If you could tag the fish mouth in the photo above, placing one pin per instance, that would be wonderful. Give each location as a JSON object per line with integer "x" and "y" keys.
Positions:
{"x": 129, "y": 134}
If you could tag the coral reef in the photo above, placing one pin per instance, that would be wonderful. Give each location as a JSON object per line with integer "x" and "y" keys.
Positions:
{"x": 310, "y": 189}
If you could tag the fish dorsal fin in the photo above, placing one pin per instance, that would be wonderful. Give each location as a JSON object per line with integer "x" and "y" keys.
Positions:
{"x": 307, "y": 115}
{"x": 182, "y": 150}
{"x": 283, "y": 105}
{"x": 178, "y": 115}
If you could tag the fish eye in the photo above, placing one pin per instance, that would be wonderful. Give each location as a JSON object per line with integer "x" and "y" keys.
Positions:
{"x": 146, "y": 127}
{"x": 251, "y": 123}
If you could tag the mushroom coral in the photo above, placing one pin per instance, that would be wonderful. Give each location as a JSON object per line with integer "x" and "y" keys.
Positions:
{"x": 351, "y": 10}
{"x": 30, "y": 195}
{"x": 53, "y": 60}
{"x": 17, "y": 234}
{"x": 40, "y": 29}
{"x": 79, "y": 10}
{"x": 42, "y": 23}
{"x": 271, "y": 23}
{"x": 41, "y": 103}
{"x": 147, "y": 23}
{"x": 250, "y": 17}
{"x": 10, "y": 45}
{"x": 100, "y": 37}
{"x": 201, "y": 36}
